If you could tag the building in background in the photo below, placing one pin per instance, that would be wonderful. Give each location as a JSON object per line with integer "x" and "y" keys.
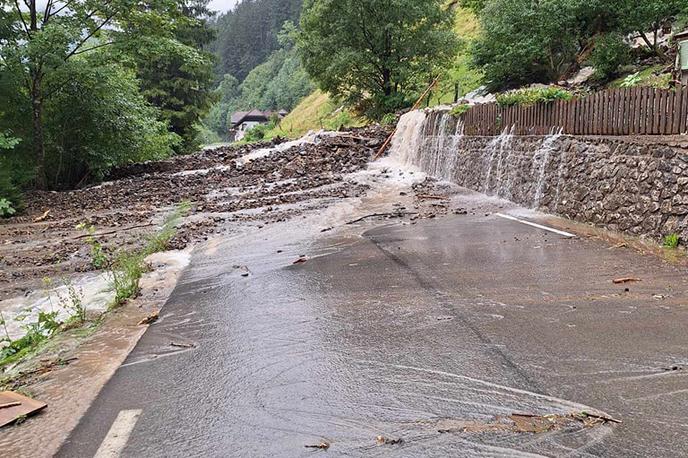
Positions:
{"x": 243, "y": 121}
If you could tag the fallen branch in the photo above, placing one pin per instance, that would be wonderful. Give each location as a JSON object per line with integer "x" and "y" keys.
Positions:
{"x": 620, "y": 281}
{"x": 380, "y": 215}
{"x": 42, "y": 217}
{"x": 415, "y": 107}
{"x": 114, "y": 231}
{"x": 431, "y": 197}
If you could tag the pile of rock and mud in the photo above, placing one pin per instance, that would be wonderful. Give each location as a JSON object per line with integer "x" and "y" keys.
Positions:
{"x": 259, "y": 184}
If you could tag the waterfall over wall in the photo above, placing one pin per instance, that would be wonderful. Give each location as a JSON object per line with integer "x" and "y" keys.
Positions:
{"x": 434, "y": 141}
{"x": 631, "y": 184}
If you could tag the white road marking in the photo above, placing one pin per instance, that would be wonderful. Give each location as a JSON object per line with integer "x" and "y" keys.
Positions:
{"x": 119, "y": 433}
{"x": 539, "y": 226}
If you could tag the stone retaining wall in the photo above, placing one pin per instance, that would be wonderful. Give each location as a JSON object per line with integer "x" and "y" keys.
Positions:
{"x": 637, "y": 185}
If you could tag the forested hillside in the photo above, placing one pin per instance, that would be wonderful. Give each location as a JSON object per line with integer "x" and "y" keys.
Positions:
{"x": 247, "y": 35}
{"x": 89, "y": 85}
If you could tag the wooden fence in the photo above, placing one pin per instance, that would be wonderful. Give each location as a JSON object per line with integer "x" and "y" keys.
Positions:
{"x": 628, "y": 111}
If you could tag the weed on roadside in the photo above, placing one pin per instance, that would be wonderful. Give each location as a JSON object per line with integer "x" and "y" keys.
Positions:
{"x": 129, "y": 266}
{"x": 672, "y": 241}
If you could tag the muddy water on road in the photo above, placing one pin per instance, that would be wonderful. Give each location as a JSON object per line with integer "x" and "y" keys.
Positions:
{"x": 398, "y": 330}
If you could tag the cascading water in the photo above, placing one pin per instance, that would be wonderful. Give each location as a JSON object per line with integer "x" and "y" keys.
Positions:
{"x": 496, "y": 150}
{"x": 541, "y": 158}
{"x": 425, "y": 140}
{"x": 407, "y": 142}
{"x": 432, "y": 141}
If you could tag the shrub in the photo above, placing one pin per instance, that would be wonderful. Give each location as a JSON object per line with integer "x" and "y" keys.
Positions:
{"x": 533, "y": 96}
{"x": 460, "y": 109}
{"x": 672, "y": 241}
{"x": 256, "y": 134}
{"x": 6, "y": 208}
{"x": 609, "y": 55}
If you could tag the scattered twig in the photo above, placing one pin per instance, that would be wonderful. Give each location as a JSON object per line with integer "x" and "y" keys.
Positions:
{"x": 321, "y": 446}
{"x": 114, "y": 231}
{"x": 380, "y": 215}
{"x": 152, "y": 318}
{"x": 602, "y": 417}
{"x": 431, "y": 197}
{"x": 43, "y": 217}
{"x": 620, "y": 281}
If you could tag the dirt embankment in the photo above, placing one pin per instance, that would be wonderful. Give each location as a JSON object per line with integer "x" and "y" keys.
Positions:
{"x": 221, "y": 185}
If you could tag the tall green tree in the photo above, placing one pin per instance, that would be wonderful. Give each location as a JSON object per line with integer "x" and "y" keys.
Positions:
{"x": 37, "y": 40}
{"x": 176, "y": 73}
{"x": 375, "y": 53}
{"x": 527, "y": 41}
{"x": 249, "y": 34}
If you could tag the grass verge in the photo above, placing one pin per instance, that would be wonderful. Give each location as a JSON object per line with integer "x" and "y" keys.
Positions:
{"x": 126, "y": 270}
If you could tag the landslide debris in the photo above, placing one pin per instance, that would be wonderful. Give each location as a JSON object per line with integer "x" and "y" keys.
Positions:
{"x": 222, "y": 188}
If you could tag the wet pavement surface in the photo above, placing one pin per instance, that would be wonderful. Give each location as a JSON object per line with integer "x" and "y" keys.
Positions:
{"x": 398, "y": 330}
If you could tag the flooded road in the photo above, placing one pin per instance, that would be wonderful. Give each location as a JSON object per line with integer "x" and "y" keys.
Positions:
{"x": 411, "y": 332}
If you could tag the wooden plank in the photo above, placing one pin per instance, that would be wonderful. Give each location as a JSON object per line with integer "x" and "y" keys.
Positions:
{"x": 635, "y": 127}
{"x": 618, "y": 118}
{"x": 645, "y": 104}
{"x": 626, "y": 110}
{"x": 671, "y": 101}
{"x": 606, "y": 120}
{"x": 676, "y": 112}
{"x": 595, "y": 114}
{"x": 663, "y": 99}
{"x": 656, "y": 110}
{"x": 683, "y": 122}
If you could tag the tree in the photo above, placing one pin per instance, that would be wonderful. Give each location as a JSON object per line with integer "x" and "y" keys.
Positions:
{"x": 97, "y": 120}
{"x": 526, "y": 42}
{"x": 375, "y": 53}
{"x": 651, "y": 16}
{"x": 176, "y": 75}
{"x": 36, "y": 41}
{"x": 248, "y": 35}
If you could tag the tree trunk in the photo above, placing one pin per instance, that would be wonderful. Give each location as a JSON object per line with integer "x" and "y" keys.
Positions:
{"x": 387, "y": 81}
{"x": 37, "y": 124}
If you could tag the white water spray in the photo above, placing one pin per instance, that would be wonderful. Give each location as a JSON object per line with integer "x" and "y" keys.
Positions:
{"x": 541, "y": 158}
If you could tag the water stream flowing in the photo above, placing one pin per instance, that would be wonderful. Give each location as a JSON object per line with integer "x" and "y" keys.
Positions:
{"x": 434, "y": 141}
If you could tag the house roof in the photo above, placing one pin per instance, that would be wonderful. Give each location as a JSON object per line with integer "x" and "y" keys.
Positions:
{"x": 255, "y": 115}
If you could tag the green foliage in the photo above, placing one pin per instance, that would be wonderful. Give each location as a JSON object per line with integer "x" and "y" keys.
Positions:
{"x": 250, "y": 33}
{"x": 6, "y": 208}
{"x": 632, "y": 80}
{"x": 10, "y": 197}
{"x": 389, "y": 119}
{"x": 672, "y": 241}
{"x": 39, "y": 66}
{"x": 526, "y": 41}
{"x": 256, "y": 134}
{"x": 459, "y": 110}
{"x": 375, "y": 54}
{"x": 98, "y": 119}
{"x": 280, "y": 83}
{"x": 128, "y": 266}
{"x": 654, "y": 76}
{"x": 533, "y": 96}
{"x": 36, "y": 333}
{"x": 610, "y": 53}
{"x": 177, "y": 78}
{"x": 99, "y": 258}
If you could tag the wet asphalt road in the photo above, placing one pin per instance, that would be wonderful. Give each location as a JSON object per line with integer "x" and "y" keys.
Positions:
{"x": 397, "y": 330}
